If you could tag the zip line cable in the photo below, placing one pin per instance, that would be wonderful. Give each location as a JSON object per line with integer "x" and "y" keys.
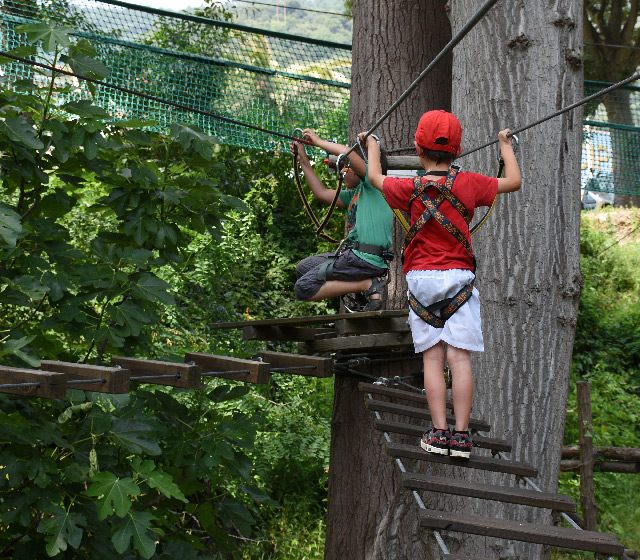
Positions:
{"x": 186, "y": 108}
{"x": 445, "y": 50}
{"x": 292, "y": 8}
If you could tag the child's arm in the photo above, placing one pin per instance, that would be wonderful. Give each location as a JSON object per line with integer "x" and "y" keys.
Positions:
{"x": 336, "y": 149}
{"x": 512, "y": 179}
{"x": 321, "y": 192}
{"x": 376, "y": 178}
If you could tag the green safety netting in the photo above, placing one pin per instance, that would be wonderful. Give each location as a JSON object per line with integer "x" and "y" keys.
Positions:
{"x": 611, "y": 141}
{"x": 271, "y": 80}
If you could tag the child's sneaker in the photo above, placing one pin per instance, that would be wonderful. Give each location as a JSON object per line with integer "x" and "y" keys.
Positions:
{"x": 460, "y": 444}
{"x": 436, "y": 441}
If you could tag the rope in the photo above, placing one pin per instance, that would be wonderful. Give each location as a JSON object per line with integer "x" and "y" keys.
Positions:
{"x": 559, "y": 112}
{"x": 617, "y": 241}
{"x": 446, "y": 50}
{"x": 181, "y": 106}
{"x": 295, "y": 8}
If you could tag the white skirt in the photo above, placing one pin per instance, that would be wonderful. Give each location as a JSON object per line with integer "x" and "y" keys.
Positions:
{"x": 464, "y": 328}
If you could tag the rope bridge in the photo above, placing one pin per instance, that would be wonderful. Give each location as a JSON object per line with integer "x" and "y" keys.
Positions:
{"x": 270, "y": 81}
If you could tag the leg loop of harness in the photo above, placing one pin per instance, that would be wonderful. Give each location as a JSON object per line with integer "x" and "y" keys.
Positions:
{"x": 439, "y": 312}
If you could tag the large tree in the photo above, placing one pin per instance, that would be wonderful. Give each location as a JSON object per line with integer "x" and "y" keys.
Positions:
{"x": 522, "y": 61}
{"x": 392, "y": 42}
{"x": 612, "y": 49}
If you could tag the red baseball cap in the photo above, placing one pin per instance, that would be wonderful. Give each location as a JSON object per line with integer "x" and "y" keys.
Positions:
{"x": 439, "y": 131}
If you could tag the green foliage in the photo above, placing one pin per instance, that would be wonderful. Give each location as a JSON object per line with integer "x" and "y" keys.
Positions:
{"x": 142, "y": 474}
{"x": 607, "y": 353}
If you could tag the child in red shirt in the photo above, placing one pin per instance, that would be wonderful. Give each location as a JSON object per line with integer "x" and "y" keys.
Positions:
{"x": 440, "y": 265}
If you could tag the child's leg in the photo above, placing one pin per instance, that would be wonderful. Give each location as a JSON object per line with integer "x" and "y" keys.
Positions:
{"x": 434, "y": 384}
{"x": 335, "y": 288}
{"x": 459, "y": 361}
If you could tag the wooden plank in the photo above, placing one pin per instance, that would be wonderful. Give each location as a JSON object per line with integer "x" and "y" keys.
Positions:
{"x": 374, "y": 325}
{"x": 249, "y": 371}
{"x": 562, "y": 537}
{"x": 310, "y": 320}
{"x": 475, "y": 462}
{"x": 360, "y": 342}
{"x": 174, "y": 374}
{"x": 421, "y": 413}
{"x": 602, "y": 466}
{"x": 47, "y": 384}
{"x": 286, "y": 333}
{"x": 631, "y": 454}
{"x": 406, "y": 163}
{"x": 312, "y": 366}
{"x": 523, "y": 496}
{"x": 456, "y": 557}
{"x": 484, "y": 442}
{"x": 115, "y": 380}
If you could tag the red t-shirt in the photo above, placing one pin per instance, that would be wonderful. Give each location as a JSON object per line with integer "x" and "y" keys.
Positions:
{"x": 434, "y": 248}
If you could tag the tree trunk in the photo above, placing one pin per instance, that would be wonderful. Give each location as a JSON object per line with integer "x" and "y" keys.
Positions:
{"x": 392, "y": 43}
{"x": 519, "y": 64}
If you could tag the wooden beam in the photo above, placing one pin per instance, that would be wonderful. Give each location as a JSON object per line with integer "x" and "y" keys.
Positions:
{"x": 46, "y": 384}
{"x": 313, "y": 366}
{"x": 112, "y": 379}
{"x": 363, "y": 342}
{"x": 286, "y": 333}
{"x": 174, "y": 374}
{"x": 373, "y": 325}
{"x": 249, "y": 371}
{"x": 587, "y": 490}
{"x": 310, "y": 320}
{"x": 602, "y": 466}
{"x": 630, "y": 454}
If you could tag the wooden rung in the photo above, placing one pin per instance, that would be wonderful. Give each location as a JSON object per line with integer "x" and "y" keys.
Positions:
{"x": 475, "y": 462}
{"x": 400, "y": 394}
{"x": 372, "y": 325}
{"x": 50, "y": 385}
{"x": 364, "y": 342}
{"x": 422, "y": 413}
{"x": 286, "y": 333}
{"x": 175, "y": 374}
{"x": 604, "y": 543}
{"x": 249, "y": 371}
{"x": 456, "y": 557}
{"x": 494, "y": 444}
{"x": 113, "y": 379}
{"x": 299, "y": 364}
{"x": 310, "y": 320}
{"x": 523, "y": 496}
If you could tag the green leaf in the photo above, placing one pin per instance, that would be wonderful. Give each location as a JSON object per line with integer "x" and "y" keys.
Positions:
{"x": 159, "y": 480}
{"x": 112, "y": 493}
{"x": 137, "y": 528}
{"x": 87, "y": 66}
{"x": 85, "y": 109}
{"x": 50, "y": 36}
{"x": 130, "y": 434}
{"x": 24, "y": 51}
{"x": 31, "y": 286}
{"x": 63, "y": 528}
{"x": 20, "y": 130}
{"x": 10, "y": 226}
{"x": 151, "y": 288}
{"x": 131, "y": 316}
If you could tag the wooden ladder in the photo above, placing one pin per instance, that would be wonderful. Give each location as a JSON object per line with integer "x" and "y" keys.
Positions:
{"x": 381, "y": 399}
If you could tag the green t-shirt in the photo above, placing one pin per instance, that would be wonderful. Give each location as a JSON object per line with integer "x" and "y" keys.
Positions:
{"x": 369, "y": 219}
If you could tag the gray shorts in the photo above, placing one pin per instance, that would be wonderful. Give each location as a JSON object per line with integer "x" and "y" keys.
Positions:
{"x": 347, "y": 267}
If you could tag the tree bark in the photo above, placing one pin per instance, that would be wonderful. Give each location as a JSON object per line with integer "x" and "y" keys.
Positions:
{"x": 392, "y": 43}
{"x": 520, "y": 63}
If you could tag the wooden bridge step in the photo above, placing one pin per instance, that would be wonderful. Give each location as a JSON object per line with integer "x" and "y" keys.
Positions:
{"x": 484, "y": 442}
{"x": 422, "y": 413}
{"x": 604, "y": 543}
{"x": 523, "y": 496}
{"x": 402, "y": 394}
{"x": 482, "y": 463}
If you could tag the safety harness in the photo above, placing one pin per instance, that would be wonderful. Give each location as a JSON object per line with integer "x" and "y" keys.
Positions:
{"x": 439, "y": 312}
{"x": 325, "y": 271}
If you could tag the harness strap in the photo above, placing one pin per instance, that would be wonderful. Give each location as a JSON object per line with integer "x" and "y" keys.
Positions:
{"x": 376, "y": 250}
{"x": 439, "y": 312}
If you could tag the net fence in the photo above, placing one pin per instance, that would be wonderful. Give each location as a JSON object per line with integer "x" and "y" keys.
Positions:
{"x": 266, "y": 79}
